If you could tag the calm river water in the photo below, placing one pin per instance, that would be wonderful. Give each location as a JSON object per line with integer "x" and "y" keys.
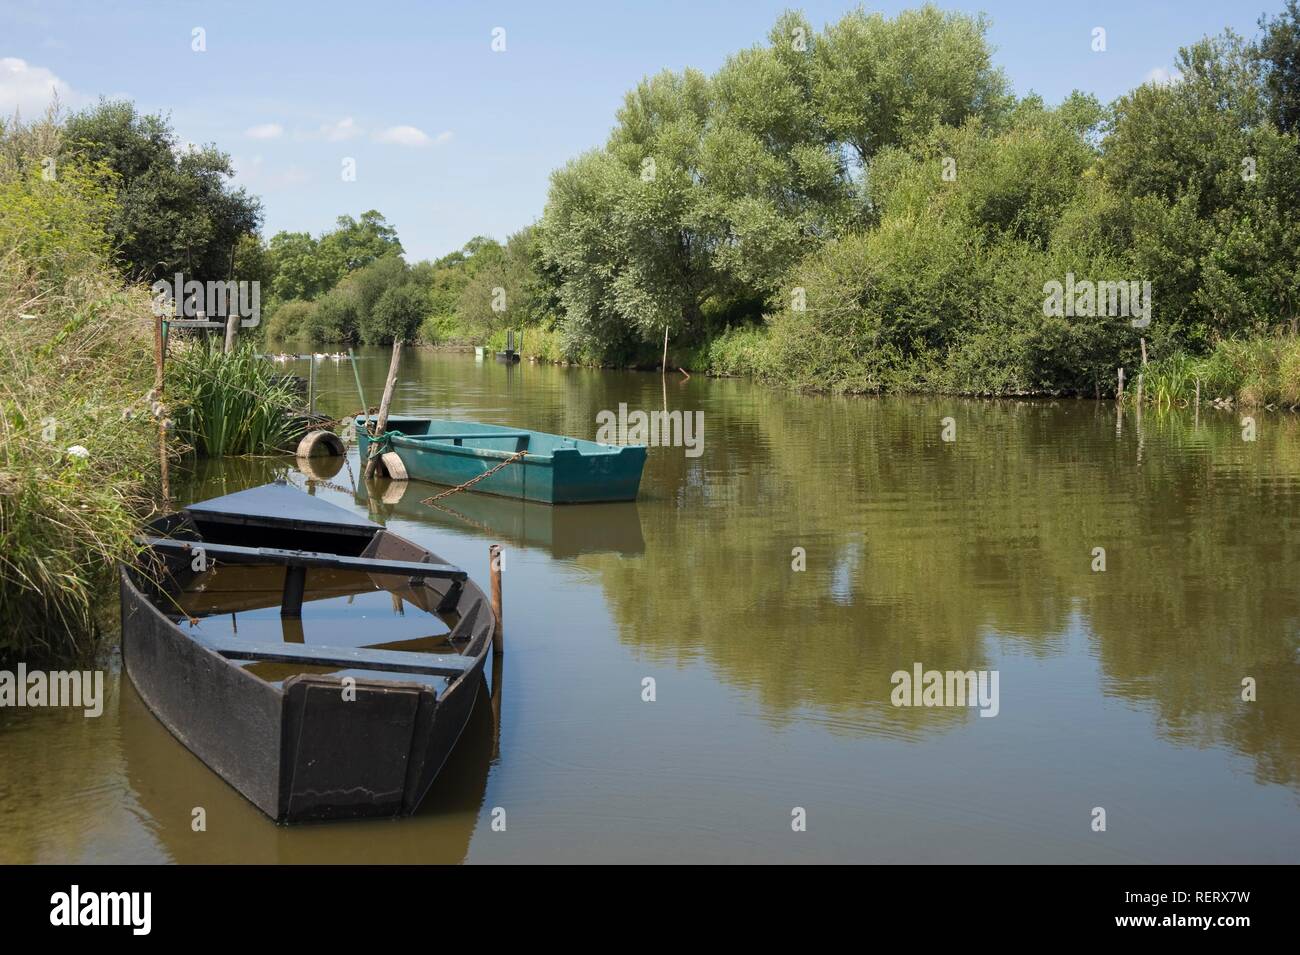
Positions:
{"x": 1119, "y": 689}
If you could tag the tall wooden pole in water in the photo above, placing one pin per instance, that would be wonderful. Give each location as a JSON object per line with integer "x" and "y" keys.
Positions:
{"x": 498, "y": 632}
{"x": 382, "y": 423}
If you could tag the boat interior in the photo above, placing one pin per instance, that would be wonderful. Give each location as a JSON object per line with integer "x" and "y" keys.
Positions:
{"x": 227, "y": 580}
{"x": 469, "y": 434}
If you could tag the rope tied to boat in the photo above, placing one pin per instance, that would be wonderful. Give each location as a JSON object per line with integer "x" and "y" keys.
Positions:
{"x": 382, "y": 444}
{"x": 432, "y": 501}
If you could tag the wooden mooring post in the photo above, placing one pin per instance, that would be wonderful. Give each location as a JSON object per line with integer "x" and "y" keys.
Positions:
{"x": 1119, "y": 390}
{"x": 382, "y": 422}
{"x": 311, "y": 387}
{"x": 158, "y": 358}
{"x": 498, "y": 631}
{"x": 232, "y": 329}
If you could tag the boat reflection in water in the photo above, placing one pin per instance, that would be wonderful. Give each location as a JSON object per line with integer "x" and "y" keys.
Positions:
{"x": 562, "y": 531}
{"x": 171, "y": 783}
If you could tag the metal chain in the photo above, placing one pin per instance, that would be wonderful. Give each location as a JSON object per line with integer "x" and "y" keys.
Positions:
{"x": 472, "y": 481}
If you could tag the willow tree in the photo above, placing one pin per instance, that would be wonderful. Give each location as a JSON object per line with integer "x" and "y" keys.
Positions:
{"x": 711, "y": 188}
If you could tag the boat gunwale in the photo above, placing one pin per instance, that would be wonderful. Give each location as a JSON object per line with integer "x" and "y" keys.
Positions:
{"x": 469, "y": 589}
{"x": 443, "y": 443}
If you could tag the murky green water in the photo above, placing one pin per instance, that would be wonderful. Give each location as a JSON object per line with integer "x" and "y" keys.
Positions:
{"x": 1119, "y": 689}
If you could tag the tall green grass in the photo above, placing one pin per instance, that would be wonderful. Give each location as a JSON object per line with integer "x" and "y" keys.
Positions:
{"x": 72, "y": 376}
{"x": 1260, "y": 371}
{"x": 229, "y": 403}
{"x": 79, "y": 447}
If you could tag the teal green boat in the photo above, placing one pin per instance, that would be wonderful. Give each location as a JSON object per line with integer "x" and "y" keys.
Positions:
{"x": 542, "y": 467}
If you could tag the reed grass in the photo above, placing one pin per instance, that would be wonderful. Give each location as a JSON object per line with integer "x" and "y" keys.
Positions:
{"x": 229, "y": 403}
{"x": 75, "y": 369}
{"x": 1260, "y": 371}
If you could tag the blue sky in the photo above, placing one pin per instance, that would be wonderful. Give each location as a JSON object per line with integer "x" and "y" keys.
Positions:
{"x": 450, "y": 138}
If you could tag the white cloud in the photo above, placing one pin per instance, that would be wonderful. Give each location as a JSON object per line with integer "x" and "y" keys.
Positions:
{"x": 404, "y": 136}
{"x": 29, "y": 88}
{"x": 253, "y": 172}
{"x": 265, "y": 131}
{"x": 1161, "y": 76}
{"x": 345, "y": 128}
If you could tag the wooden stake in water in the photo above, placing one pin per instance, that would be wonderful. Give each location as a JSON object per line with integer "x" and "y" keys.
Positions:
{"x": 498, "y": 632}
{"x": 311, "y": 387}
{"x": 663, "y": 368}
{"x": 1119, "y": 391}
{"x": 356, "y": 375}
{"x": 373, "y": 462}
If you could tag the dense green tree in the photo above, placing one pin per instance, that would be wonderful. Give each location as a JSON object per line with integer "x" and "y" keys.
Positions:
{"x": 506, "y": 288}
{"x": 1216, "y": 189}
{"x": 946, "y": 291}
{"x": 176, "y": 210}
{"x": 396, "y": 315}
{"x": 1279, "y": 52}
{"x": 305, "y": 267}
{"x": 878, "y": 82}
{"x": 298, "y": 270}
{"x": 353, "y": 243}
{"x": 711, "y": 188}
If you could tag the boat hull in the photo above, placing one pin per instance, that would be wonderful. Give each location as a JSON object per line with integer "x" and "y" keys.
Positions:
{"x": 313, "y": 746}
{"x": 454, "y": 452}
{"x": 300, "y": 752}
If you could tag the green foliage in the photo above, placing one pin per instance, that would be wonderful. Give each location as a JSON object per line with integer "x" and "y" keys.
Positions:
{"x": 946, "y": 292}
{"x": 298, "y": 271}
{"x": 303, "y": 267}
{"x": 505, "y": 286}
{"x": 175, "y": 209}
{"x": 712, "y": 188}
{"x": 738, "y": 352}
{"x": 351, "y": 311}
{"x": 56, "y": 228}
{"x": 1188, "y": 186}
{"x": 878, "y": 83}
{"x": 396, "y": 315}
{"x": 229, "y": 403}
{"x": 1215, "y": 189}
{"x": 75, "y": 368}
{"x": 287, "y": 320}
{"x": 1278, "y": 50}
{"x": 1257, "y": 371}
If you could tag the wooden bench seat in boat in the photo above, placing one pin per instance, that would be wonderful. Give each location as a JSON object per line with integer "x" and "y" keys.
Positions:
{"x": 304, "y": 558}
{"x": 355, "y": 658}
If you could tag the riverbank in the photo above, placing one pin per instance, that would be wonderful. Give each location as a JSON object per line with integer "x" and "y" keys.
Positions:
{"x": 84, "y": 433}
{"x": 79, "y": 465}
{"x": 78, "y": 439}
{"x": 1261, "y": 372}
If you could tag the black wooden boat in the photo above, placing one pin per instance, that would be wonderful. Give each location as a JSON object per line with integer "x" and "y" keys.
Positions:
{"x": 356, "y": 723}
